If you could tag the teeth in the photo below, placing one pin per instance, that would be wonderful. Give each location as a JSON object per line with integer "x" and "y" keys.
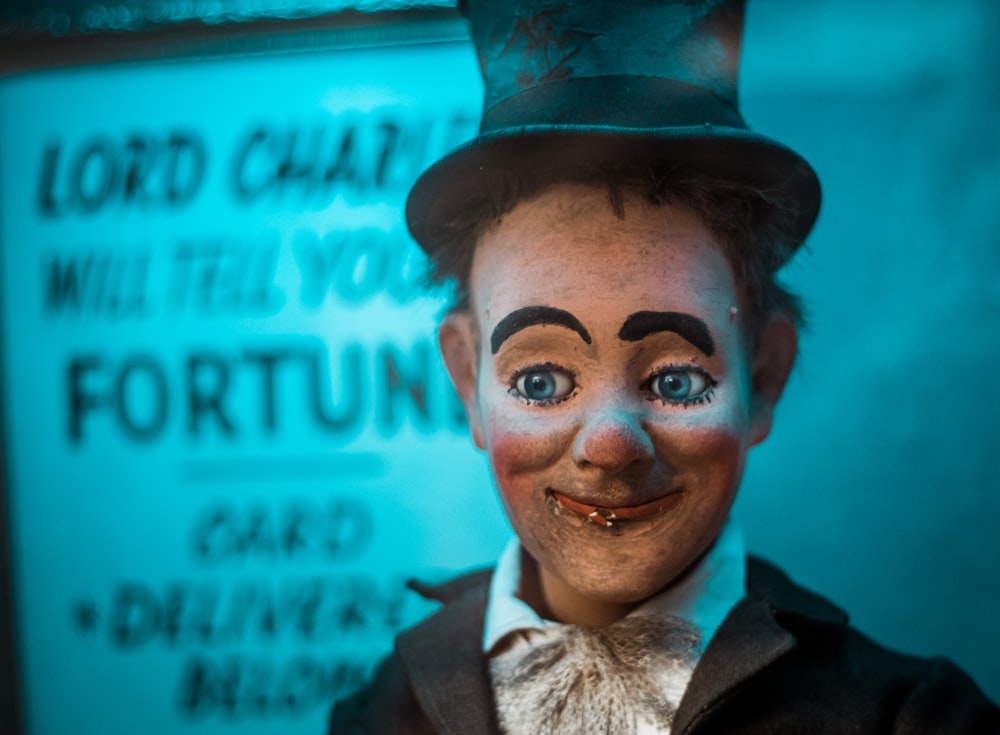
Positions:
{"x": 596, "y": 516}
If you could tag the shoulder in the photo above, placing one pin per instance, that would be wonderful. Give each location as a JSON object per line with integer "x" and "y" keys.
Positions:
{"x": 390, "y": 702}
{"x": 384, "y": 705}
{"x": 813, "y": 666}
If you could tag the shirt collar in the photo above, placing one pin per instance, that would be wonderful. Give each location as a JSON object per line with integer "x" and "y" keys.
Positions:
{"x": 703, "y": 596}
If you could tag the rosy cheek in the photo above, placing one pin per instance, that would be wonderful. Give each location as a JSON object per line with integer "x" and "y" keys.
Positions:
{"x": 518, "y": 449}
{"x": 718, "y": 429}
{"x": 521, "y": 443}
{"x": 708, "y": 452}
{"x": 698, "y": 440}
{"x": 506, "y": 452}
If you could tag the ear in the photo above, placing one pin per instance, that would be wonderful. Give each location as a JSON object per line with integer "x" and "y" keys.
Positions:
{"x": 770, "y": 367}
{"x": 457, "y": 341}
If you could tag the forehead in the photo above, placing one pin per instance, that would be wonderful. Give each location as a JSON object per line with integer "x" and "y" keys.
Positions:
{"x": 567, "y": 247}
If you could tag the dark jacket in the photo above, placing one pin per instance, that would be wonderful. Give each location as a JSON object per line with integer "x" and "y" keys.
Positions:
{"x": 784, "y": 661}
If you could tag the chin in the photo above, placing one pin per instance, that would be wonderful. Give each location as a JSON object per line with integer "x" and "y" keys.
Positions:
{"x": 625, "y": 583}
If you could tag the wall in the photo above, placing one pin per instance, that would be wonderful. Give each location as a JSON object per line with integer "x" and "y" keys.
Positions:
{"x": 878, "y": 485}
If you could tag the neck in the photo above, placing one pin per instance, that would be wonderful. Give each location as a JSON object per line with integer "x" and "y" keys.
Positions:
{"x": 555, "y": 600}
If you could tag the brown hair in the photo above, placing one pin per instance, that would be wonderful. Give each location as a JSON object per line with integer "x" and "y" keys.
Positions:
{"x": 751, "y": 226}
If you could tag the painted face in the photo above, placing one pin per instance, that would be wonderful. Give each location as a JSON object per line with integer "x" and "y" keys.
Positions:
{"x": 611, "y": 388}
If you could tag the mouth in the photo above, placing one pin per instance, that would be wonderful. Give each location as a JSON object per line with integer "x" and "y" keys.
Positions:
{"x": 607, "y": 516}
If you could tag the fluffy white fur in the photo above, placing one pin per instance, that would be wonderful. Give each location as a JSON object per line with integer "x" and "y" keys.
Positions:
{"x": 622, "y": 679}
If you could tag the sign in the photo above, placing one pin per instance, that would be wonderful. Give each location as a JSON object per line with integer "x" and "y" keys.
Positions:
{"x": 229, "y": 434}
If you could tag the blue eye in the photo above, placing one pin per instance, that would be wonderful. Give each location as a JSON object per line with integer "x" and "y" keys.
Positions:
{"x": 678, "y": 386}
{"x": 548, "y": 384}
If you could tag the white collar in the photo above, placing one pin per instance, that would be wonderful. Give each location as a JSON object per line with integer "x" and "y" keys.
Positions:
{"x": 704, "y": 596}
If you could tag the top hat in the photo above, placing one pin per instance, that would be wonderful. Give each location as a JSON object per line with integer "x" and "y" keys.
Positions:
{"x": 607, "y": 83}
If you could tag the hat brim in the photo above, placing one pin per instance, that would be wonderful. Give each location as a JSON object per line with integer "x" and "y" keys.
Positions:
{"x": 465, "y": 179}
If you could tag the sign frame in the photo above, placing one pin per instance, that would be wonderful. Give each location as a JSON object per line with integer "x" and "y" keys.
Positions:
{"x": 29, "y": 52}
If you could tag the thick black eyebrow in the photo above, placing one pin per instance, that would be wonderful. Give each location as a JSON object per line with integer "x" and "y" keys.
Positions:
{"x": 644, "y": 323}
{"x": 529, "y": 316}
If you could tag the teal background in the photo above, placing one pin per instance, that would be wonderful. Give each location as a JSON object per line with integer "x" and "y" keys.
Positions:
{"x": 879, "y": 485}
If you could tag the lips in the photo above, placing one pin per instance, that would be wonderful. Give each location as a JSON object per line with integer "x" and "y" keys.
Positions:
{"x": 605, "y": 516}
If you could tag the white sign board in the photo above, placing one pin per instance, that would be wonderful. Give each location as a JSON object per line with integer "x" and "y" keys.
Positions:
{"x": 228, "y": 432}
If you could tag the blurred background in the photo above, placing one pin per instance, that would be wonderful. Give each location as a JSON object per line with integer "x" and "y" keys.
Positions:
{"x": 226, "y": 434}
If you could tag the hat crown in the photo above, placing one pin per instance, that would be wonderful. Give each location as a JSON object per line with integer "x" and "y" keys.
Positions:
{"x": 525, "y": 44}
{"x": 579, "y": 87}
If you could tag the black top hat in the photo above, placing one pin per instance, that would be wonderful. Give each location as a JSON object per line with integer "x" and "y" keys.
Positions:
{"x": 613, "y": 83}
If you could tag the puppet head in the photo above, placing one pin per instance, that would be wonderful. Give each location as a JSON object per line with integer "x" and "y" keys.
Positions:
{"x": 607, "y": 369}
{"x": 620, "y": 340}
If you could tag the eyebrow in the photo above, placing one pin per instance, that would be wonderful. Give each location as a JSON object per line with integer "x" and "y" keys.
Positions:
{"x": 530, "y": 316}
{"x": 644, "y": 323}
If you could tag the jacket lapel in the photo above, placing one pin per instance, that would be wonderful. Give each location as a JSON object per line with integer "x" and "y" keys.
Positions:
{"x": 445, "y": 661}
{"x": 749, "y": 640}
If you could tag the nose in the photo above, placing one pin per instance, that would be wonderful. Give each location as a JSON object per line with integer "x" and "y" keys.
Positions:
{"x": 613, "y": 439}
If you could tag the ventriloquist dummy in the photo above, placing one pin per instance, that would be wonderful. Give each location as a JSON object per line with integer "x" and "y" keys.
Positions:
{"x": 620, "y": 341}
